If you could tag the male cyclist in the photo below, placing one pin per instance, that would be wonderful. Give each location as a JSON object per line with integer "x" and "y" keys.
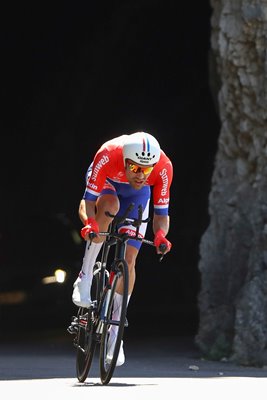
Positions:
{"x": 123, "y": 171}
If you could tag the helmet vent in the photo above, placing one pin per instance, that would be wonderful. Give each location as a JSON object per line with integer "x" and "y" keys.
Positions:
{"x": 144, "y": 154}
{"x": 142, "y": 148}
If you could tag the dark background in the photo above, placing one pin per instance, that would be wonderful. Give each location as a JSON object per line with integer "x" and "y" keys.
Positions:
{"x": 74, "y": 76}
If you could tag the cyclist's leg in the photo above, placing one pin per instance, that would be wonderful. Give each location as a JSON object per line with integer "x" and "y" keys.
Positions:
{"x": 133, "y": 246}
{"x": 108, "y": 201}
{"x": 82, "y": 286}
{"x": 117, "y": 307}
{"x": 130, "y": 257}
{"x": 131, "y": 254}
{"x": 110, "y": 349}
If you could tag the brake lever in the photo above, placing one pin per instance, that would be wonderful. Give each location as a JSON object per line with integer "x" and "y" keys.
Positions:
{"x": 161, "y": 257}
{"x": 162, "y": 249}
{"x": 92, "y": 235}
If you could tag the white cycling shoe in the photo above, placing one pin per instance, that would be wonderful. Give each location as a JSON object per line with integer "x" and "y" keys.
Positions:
{"x": 121, "y": 356}
{"x": 81, "y": 293}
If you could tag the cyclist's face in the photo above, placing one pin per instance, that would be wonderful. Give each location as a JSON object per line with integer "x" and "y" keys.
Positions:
{"x": 137, "y": 174}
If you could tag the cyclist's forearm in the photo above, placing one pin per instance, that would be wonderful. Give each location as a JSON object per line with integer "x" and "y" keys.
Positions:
{"x": 86, "y": 210}
{"x": 161, "y": 222}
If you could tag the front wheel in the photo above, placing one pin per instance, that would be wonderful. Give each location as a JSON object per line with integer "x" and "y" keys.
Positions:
{"x": 107, "y": 365}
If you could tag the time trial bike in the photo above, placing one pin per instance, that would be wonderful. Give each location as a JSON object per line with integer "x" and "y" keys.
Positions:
{"x": 91, "y": 326}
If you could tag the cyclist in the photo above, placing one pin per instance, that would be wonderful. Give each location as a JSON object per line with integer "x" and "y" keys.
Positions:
{"x": 123, "y": 171}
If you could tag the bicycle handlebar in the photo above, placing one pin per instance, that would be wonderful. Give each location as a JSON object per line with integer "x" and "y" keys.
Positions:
{"x": 136, "y": 222}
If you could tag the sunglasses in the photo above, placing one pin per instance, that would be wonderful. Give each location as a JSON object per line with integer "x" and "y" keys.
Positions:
{"x": 137, "y": 169}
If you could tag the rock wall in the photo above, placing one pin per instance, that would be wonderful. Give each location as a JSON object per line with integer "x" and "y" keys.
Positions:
{"x": 233, "y": 250}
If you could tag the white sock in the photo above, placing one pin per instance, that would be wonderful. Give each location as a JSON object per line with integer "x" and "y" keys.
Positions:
{"x": 91, "y": 252}
{"x": 116, "y": 314}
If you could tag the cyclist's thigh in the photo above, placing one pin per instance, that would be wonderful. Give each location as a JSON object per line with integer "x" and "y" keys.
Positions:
{"x": 128, "y": 195}
{"x": 107, "y": 201}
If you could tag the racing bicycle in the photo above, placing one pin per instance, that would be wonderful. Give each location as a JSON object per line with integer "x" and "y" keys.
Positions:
{"x": 91, "y": 326}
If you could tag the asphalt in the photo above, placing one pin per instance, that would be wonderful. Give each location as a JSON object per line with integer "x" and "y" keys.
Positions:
{"x": 52, "y": 355}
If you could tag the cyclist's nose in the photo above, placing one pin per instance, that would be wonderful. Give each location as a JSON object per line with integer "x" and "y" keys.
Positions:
{"x": 140, "y": 174}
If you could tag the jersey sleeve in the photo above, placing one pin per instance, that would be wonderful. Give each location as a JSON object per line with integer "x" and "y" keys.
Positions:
{"x": 96, "y": 175}
{"x": 161, "y": 189}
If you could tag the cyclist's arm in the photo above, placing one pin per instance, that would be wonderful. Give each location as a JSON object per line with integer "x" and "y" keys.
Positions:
{"x": 86, "y": 210}
{"x": 161, "y": 228}
{"x": 161, "y": 222}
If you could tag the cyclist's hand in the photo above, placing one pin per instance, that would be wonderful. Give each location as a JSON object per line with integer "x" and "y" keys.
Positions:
{"x": 160, "y": 239}
{"x": 91, "y": 226}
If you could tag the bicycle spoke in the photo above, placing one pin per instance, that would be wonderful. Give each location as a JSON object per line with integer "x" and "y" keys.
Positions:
{"x": 97, "y": 324}
{"x": 85, "y": 344}
{"x": 108, "y": 364}
{"x": 87, "y": 339}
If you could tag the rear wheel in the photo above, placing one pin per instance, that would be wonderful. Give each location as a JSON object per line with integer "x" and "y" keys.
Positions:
{"x": 86, "y": 339}
{"x": 107, "y": 366}
{"x": 85, "y": 343}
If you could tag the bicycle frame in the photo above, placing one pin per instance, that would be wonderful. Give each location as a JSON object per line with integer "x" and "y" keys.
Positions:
{"x": 91, "y": 325}
{"x": 119, "y": 241}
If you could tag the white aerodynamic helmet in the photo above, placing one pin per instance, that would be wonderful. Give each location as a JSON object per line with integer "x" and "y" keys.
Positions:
{"x": 142, "y": 148}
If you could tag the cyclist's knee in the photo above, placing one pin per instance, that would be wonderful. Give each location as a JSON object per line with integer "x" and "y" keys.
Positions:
{"x": 108, "y": 202}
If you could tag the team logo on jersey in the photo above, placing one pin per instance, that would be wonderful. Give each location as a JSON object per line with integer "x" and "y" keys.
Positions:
{"x": 163, "y": 201}
{"x": 92, "y": 186}
{"x": 164, "y": 177}
{"x": 104, "y": 160}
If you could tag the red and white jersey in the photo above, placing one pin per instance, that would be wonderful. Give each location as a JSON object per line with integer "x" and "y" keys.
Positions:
{"x": 108, "y": 166}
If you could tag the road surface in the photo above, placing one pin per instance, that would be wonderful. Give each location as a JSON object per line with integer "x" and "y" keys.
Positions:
{"x": 155, "y": 368}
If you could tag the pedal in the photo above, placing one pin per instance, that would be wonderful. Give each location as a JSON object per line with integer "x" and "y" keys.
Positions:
{"x": 93, "y": 305}
{"x": 73, "y": 327}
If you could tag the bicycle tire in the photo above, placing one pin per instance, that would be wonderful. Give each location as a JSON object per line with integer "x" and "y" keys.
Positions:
{"x": 107, "y": 369}
{"x": 86, "y": 338}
